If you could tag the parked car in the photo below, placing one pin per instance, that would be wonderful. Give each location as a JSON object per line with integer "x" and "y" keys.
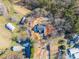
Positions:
{"x": 22, "y": 21}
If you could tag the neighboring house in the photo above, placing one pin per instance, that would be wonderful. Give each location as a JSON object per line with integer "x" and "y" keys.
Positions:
{"x": 9, "y": 26}
{"x": 17, "y": 48}
{"x": 73, "y": 40}
{"x": 22, "y": 21}
{"x": 73, "y": 53}
{"x": 76, "y": 45}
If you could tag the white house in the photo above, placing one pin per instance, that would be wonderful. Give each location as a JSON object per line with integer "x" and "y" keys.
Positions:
{"x": 73, "y": 53}
{"x": 10, "y": 26}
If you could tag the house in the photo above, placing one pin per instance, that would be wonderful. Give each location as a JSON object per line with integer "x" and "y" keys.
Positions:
{"x": 23, "y": 20}
{"x": 43, "y": 29}
{"x": 73, "y": 53}
{"x": 39, "y": 28}
{"x": 9, "y": 26}
{"x": 17, "y": 48}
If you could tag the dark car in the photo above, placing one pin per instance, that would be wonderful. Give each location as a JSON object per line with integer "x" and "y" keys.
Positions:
{"x": 22, "y": 21}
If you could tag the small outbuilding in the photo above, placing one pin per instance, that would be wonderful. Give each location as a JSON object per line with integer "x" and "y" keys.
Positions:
{"x": 9, "y": 26}
{"x": 17, "y": 48}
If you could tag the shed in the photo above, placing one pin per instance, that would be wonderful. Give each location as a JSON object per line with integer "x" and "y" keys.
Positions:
{"x": 17, "y": 48}
{"x": 9, "y": 26}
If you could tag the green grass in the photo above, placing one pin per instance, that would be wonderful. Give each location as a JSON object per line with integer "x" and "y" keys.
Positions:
{"x": 32, "y": 49}
{"x": 32, "y": 52}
